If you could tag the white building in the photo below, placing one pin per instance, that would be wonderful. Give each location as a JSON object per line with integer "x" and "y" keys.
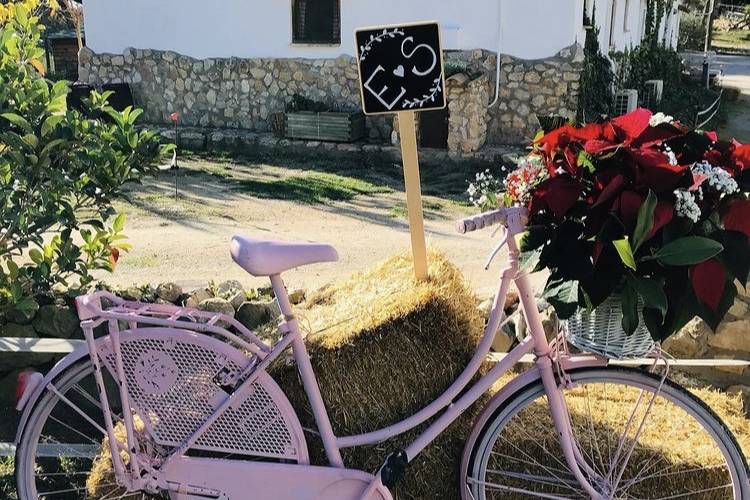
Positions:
{"x": 269, "y": 50}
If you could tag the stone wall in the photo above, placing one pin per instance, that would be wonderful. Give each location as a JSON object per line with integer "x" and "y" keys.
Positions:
{"x": 527, "y": 88}
{"x": 244, "y": 93}
{"x": 226, "y": 93}
{"x": 468, "y": 116}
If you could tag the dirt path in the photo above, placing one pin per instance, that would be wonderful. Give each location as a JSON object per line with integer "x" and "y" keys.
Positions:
{"x": 737, "y": 75}
{"x": 187, "y": 240}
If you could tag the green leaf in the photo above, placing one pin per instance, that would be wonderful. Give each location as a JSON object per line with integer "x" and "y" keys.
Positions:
{"x": 626, "y": 253}
{"x": 687, "y": 251}
{"x": 562, "y": 294}
{"x": 36, "y": 256}
{"x": 50, "y": 123}
{"x": 18, "y": 121}
{"x": 645, "y": 221}
{"x": 119, "y": 223}
{"x": 629, "y": 300}
{"x": 651, "y": 291}
{"x": 584, "y": 160}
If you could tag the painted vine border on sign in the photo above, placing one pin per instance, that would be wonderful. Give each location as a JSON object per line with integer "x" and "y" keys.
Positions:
{"x": 400, "y": 68}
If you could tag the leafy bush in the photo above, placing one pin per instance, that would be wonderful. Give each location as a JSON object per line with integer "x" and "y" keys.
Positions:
{"x": 683, "y": 97}
{"x": 302, "y": 103}
{"x": 692, "y": 31}
{"x": 595, "y": 97}
{"x": 59, "y": 172}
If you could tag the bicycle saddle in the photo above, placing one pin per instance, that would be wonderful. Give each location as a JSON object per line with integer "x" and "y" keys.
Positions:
{"x": 267, "y": 257}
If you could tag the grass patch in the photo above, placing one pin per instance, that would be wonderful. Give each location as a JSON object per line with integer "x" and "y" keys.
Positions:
{"x": 446, "y": 179}
{"x": 398, "y": 211}
{"x": 312, "y": 188}
{"x": 735, "y": 40}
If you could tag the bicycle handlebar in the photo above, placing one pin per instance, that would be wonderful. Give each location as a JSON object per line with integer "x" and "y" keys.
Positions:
{"x": 482, "y": 220}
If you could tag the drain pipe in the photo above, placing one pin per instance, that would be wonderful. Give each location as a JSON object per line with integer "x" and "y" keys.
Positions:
{"x": 497, "y": 60}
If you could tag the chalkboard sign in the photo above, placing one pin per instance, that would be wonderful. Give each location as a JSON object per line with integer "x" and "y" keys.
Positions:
{"x": 400, "y": 68}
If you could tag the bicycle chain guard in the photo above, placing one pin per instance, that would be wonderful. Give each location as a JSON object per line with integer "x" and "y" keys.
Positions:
{"x": 177, "y": 379}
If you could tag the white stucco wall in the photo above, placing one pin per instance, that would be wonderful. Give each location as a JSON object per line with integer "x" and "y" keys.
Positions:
{"x": 531, "y": 29}
{"x": 627, "y": 27}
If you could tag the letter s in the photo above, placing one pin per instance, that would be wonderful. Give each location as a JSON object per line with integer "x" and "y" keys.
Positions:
{"x": 411, "y": 54}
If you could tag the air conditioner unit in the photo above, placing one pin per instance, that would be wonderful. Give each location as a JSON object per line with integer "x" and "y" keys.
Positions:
{"x": 653, "y": 92}
{"x": 625, "y": 101}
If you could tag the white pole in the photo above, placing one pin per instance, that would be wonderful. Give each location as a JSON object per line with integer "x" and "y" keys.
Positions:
{"x": 499, "y": 47}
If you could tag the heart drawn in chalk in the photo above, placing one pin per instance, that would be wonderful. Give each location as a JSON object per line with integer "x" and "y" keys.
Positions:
{"x": 399, "y": 71}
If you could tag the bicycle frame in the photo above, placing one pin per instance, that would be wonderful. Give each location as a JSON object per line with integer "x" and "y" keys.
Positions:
{"x": 446, "y": 408}
{"x": 535, "y": 342}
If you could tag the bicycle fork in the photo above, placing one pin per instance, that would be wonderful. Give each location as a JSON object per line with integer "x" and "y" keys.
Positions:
{"x": 561, "y": 418}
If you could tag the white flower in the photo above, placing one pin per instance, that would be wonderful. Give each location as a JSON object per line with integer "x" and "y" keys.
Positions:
{"x": 716, "y": 177}
{"x": 685, "y": 205}
{"x": 482, "y": 199}
{"x": 660, "y": 118}
{"x": 672, "y": 157}
{"x": 472, "y": 189}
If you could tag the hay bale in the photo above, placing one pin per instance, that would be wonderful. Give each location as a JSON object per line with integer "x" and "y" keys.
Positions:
{"x": 385, "y": 346}
{"x": 101, "y": 482}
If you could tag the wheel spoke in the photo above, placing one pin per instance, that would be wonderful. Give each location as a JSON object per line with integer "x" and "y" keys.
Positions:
{"x": 633, "y": 432}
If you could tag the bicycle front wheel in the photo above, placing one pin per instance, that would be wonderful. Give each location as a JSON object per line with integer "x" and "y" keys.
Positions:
{"x": 638, "y": 438}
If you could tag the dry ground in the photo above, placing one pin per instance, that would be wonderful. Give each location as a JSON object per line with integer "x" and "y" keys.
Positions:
{"x": 360, "y": 212}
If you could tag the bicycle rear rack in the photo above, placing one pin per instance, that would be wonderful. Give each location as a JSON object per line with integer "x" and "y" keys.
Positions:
{"x": 104, "y": 305}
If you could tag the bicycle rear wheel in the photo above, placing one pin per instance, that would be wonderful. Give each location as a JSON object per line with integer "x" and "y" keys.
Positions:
{"x": 640, "y": 438}
{"x": 61, "y": 454}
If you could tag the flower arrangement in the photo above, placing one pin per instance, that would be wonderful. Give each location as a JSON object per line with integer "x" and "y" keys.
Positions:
{"x": 639, "y": 206}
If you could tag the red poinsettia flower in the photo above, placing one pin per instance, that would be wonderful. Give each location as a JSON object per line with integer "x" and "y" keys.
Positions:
{"x": 740, "y": 156}
{"x": 736, "y": 216}
{"x": 708, "y": 279}
{"x": 663, "y": 215}
{"x": 558, "y": 194}
{"x": 654, "y": 171}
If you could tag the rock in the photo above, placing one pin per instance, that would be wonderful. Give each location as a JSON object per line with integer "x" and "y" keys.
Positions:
{"x": 254, "y": 314}
{"x": 739, "y": 309}
{"x": 485, "y": 307}
{"x": 550, "y": 323}
{"x": 22, "y": 316}
{"x": 265, "y": 291}
{"x": 56, "y": 321}
{"x": 297, "y": 296}
{"x": 502, "y": 342}
{"x": 229, "y": 288}
{"x": 169, "y": 292}
{"x": 15, "y": 330}
{"x": 732, "y": 335}
{"x": 744, "y": 392}
{"x": 197, "y": 296}
{"x": 690, "y": 341}
{"x": 132, "y": 293}
{"x": 217, "y": 304}
{"x": 237, "y": 299}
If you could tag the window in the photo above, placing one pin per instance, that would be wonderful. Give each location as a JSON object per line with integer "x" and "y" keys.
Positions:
{"x": 316, "y": 21}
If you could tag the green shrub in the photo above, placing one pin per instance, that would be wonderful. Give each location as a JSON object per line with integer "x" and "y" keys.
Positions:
{"x": 59, "y": 172}
{"x": 692, "y": 31}
{"x": 595, "y": 97}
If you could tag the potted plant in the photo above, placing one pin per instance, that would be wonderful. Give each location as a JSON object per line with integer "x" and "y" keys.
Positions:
{"x": 640, "y": 211}
{"x": 309, "y": 119}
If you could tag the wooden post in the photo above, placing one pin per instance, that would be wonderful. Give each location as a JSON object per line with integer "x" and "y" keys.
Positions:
{"x": 408, "y": 136}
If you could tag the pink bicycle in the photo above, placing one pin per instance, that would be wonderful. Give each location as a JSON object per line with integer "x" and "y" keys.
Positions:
{"x": 181, "y": 403}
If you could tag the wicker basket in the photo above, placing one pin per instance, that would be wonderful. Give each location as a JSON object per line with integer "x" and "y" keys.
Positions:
{"x": 600, "y": 332}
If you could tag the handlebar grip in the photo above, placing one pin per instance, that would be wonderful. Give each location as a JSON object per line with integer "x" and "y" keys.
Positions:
{"x": 482, "y": 220}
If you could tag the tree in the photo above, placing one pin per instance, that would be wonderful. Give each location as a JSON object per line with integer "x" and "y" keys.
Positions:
{"x": 59, "y": 171}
